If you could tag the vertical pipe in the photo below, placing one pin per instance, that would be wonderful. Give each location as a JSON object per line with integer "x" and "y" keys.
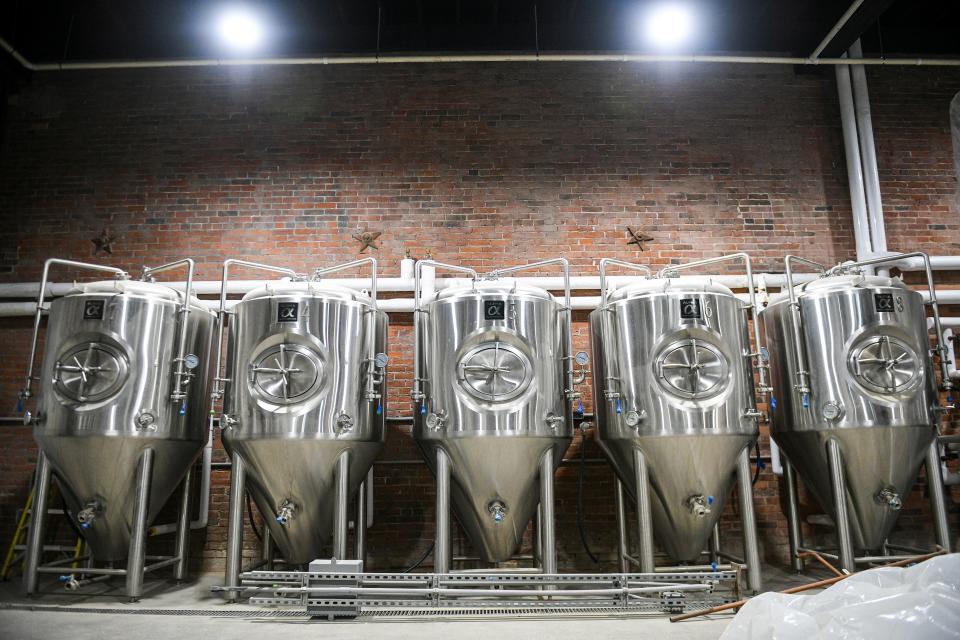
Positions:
{"x": 538, "y": 539}
{"x": 868, "y": 152}
{"x": 941, "y": 527}
{"x": 361, "y": 523}
{"x": 341, "y": 515}
{"x": 183, "y": 531}
{"x": 622, "y": 542}
{"x": 238, "y": 481}
{"x": 548, "y": 522}
{"x": 839, "y": 485}
{"x": 715, "y": 544}
{"x": 644, "y": 515}
{"x": 441, "y": 547}
{"x": 748, "y": 522}
{"x": 266, "y": 551}
{"x": 851, "y": 147}
{"x": 794, "y": 533}
{"x": 549, "y": 536}
{"x": 38, "y": 520}
{"x": 138, "y": 539}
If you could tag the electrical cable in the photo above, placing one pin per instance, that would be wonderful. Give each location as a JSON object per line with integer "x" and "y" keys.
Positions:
{"x": 250, "y": 518}
{"x": 760, "y": 465}
{"x": 580, "y": 525}
{"x": 425, "y": 555}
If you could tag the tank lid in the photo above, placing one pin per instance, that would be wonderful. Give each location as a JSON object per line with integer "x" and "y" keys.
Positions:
{"x": 135, "y": 287}
{"x": 503, "y": 286}
{"x": 835, "y": 283}
{"x": 317, "y": 289}
{"x": 692, "y": 284}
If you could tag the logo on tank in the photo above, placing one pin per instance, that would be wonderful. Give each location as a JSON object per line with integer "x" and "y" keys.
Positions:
{"x": 93, "y": 310}
{"x": 288, "y": 311}
{"x": 884, "y": 302}
{"x": 494, "y": 310}
{"x": 690, "y": 309}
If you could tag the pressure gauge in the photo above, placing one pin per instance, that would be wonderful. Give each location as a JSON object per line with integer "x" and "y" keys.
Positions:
{"x": 191, "y": 360}
{"x": 381, "y": 360}
{"x": 832, "y": 411}
{"x": 632, "y": 418}
{"x": 582, "y": 358}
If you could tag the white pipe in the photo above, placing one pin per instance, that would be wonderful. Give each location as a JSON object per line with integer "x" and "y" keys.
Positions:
{"x": 938, "y": 263}
{"x": 852, "y": 9}
{"x": 851, "y": 152}
{"x": 468, "y": 58}
{"x": 776, "y": 463}
{"x": 868, "y": 153}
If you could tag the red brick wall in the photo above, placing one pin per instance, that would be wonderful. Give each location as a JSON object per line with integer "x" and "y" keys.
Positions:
{"x": 482, "y": 165}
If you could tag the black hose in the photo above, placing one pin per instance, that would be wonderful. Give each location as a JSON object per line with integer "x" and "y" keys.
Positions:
{"x": 583, "y": 464}
{"x": 756, "y": 473}
{"x": 426, "y": 554}
{"x": 250, "y": 517}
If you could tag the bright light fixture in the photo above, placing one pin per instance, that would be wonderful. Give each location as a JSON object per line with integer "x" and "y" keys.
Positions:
{"x": 239, "y": 29}
{"x": 668, "y": 25}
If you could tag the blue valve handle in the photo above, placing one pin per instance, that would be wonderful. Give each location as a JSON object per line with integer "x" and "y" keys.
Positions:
{"x": 709, "y": 501}
{"x": 713, "y": 565}
{"x": 379, "y": 409}
{"x": 773, "y": 402}
{"x": 183, "y": 408}
{"x": 64, "y": 578}
{"x": 19, "y": 408}
{"x": 806, "y": 401}
{"x": 580, "y": 407}
{"x": 423, "y": 408}
{"x": 84, "y": 525}
{"x": 618, "y": 406}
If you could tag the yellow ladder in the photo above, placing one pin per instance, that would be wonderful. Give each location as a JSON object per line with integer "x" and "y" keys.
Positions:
{"x": 18, "y": 545}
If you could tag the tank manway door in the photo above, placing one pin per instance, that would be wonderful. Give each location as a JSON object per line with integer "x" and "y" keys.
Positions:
{"x": 692, "y": 369}
{"x": 884, "y": 364}
{"x": 286, "y": 373}
{"x": 90, "y": 372}
{"x": 494, "y": 372}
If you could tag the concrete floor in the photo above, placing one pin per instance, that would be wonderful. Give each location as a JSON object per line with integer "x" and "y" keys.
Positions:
{"x": 52, "y": 617}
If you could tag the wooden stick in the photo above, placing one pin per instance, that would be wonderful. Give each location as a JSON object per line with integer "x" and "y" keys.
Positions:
{"x": 804, "y": 587}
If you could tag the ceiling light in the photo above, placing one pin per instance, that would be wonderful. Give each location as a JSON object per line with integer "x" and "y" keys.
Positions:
{"x": 668, "y": 25}
{"x": 239, "y": 29}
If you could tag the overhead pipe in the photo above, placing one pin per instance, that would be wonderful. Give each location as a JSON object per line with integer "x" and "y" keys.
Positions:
{"x": 465, "y": 58}
{"x": 852, "y": 9}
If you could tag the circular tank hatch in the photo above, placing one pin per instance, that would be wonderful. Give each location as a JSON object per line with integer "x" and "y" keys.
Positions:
{"x": 494, "y": 371}
{"x": 286, "y": 373}
{"x": 884, "y": 364}
{"x": 90, "y": 372}
{"x": 692, "y": 369}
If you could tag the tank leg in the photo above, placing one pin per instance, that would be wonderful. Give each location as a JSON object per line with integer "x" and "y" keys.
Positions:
{"x": 839, "y": 484}
{"x": 748, "y": 522}
{"x": 238, "y": 481}
{"x": 941, "y": 527}
{"x": 794, "y": 534}
{"x": 623, "y": 544}
{"x": 644, "y": 516}
{"x": 341, "y": 517}
{"x": 183, "y": 531}
{"x": 549, "y": 538}
{"x": 38, "y": 520}
{"x": 136, "y": 557}
{"x": 441, "y": 547}
{"x": 361, "y": 523}
{"x": 537, "y": 542}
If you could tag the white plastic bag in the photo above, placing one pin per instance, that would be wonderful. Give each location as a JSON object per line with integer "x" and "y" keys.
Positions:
{"x": 915, "y": 603}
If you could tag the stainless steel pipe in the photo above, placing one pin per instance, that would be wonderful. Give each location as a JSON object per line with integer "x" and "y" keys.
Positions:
{"x": 138, "y": 539}
{"x": 838, "y": 485}
{"x": 238, "y": 477}
{"x": 644, "y": 513}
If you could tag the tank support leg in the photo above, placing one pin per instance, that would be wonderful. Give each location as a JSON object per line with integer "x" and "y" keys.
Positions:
{"x": 441, "y": 547}
{"x": 38, "y": 520}
{"x": 548, "y": 522}
{"x": 644, "y": 516}
{"x": 794, "y": 534}
{"x": 238, "y": 482}
{"x": 839, "y": 485}
{"x": 341, "y": 514}
{"x": 266, "y": 551}
{"x": 537, "y": 542}
{"x": 361, "y": 522}
{"x": 941, "y": 527}
{"x": 623, "y": 544}
{"x": 748, "y": 522}
{"x": 183, "y": 531}
{"x": 136, "y": 557}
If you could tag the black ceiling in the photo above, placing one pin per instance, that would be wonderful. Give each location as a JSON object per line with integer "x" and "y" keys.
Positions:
{"x": 74, "y": 30}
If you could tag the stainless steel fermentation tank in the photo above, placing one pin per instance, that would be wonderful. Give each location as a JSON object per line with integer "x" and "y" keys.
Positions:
{"x": 675, "y": 407}
{"x": 855, "y": 405}
{"x": 492, "y": 397}
{"x": 120, "y": 418}
{"x": 304, "y": 406}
